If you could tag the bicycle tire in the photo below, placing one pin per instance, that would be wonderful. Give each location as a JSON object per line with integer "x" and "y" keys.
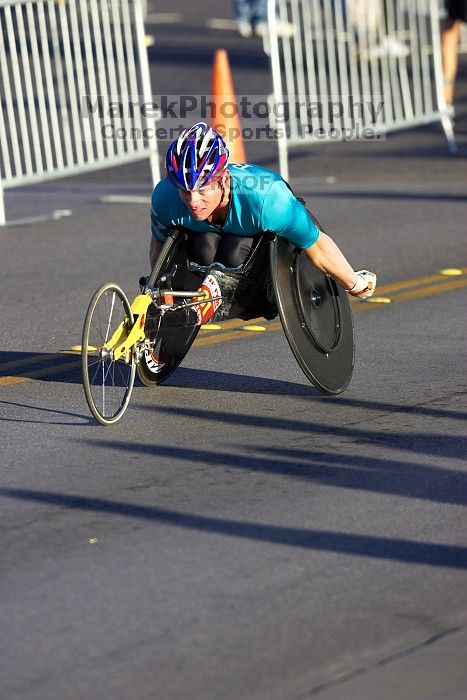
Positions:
{"x": 107, "y": 384}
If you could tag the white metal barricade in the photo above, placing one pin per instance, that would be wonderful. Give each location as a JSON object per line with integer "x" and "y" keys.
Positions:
{"x": 349, "y": 69}
{"x": 75, "y": 92}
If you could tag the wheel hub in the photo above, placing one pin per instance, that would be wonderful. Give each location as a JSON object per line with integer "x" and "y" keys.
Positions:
{"x": 107, "y": 355}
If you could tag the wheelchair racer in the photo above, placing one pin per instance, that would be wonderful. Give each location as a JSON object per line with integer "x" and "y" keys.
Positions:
{"x": 222, "y": 207}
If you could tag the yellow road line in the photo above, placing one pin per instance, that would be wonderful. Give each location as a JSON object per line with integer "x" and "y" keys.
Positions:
{"x": 29, "y": 361}
{"x": 415, "y": 282}
{"x": 406, "y": 284}
{"x": 220, "y": 337}
{"x": 430, "y": 290}
{"x": 451, "y": 271}
{"x": 37, "y": 374}
{"x": 6, "y": 381}
{"x": 233, "y": 323}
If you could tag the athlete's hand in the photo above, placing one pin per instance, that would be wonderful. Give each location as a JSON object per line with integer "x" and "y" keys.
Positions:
{"x": 364, "y": 286}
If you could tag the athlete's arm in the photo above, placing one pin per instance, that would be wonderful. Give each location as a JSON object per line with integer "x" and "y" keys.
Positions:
{"x": 159, "y": 229}
{"x": 154, "y": 251}
{"x": 286, "y": 216}
{"x": 327, "y": 257}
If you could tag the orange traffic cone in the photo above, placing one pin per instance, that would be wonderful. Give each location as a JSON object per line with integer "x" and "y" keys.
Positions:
{"x": 225, "y": 117}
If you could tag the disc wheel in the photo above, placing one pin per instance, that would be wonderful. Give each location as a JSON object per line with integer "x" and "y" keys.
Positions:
{"x": 170, "y": 347}
{"x": 316, "y": 318}
{"x": 107, "y": 383}
{"x": 172, "y": 335}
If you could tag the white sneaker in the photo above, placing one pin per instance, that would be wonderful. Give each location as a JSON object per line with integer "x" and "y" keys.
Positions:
{"x": 450, "y": 111}
{"x": 389, "y": 47}
{"x": 244, "y": 29}
{"x": 261, "y": 29}
{"x": 286, "y": 29}
{"x": 396, "y": 48}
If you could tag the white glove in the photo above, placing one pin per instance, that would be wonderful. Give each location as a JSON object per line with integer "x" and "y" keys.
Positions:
{"x": 364, "y": 286}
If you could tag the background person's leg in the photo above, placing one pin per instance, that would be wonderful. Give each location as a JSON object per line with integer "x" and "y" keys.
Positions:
{"x": 259, "y": 11}
{"x": 450, "y": 37}
{"x": 243, "y": 18}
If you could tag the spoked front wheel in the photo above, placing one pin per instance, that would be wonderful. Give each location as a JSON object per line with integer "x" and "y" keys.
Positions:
{"x": 107, "y": 383}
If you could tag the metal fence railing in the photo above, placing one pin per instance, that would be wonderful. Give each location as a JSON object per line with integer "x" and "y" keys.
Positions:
{"x": 75, "y": 92}
{"x": 349, "y": 69}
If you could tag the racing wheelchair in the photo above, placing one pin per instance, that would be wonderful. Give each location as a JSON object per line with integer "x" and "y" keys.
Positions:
{"x": 151, "y": 336}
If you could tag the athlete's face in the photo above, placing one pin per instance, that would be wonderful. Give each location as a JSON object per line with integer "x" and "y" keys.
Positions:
{"x": 203, "y": 202}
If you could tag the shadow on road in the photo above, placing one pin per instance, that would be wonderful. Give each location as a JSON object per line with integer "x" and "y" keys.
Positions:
{"x": 83, "y": 419}
{"x": 363, "y": 473}
{"x": 47, "y": 366}
{"x": 357, "y": 151}
{"x": 388, "y": 548}
{"x": 66, "y": 369}
{"x": 436, "y": 444}
{"x": 404, "y": 196}
{"x": 240, "y": 56}
{"x": 211, "y": 380}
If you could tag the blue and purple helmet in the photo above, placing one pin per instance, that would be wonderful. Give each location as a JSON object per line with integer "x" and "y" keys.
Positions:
{"x": 196, "y": 157}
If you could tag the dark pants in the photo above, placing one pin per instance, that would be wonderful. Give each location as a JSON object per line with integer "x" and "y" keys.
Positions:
{"x": 457, "y": 9}
{"x": 225, "y": 248}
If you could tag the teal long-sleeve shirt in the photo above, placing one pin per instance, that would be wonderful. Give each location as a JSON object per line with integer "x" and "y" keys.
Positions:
{"x": 261, "y": 202}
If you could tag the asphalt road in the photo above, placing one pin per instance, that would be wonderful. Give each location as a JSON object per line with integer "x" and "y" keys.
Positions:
{"x": 237, "y": 535}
